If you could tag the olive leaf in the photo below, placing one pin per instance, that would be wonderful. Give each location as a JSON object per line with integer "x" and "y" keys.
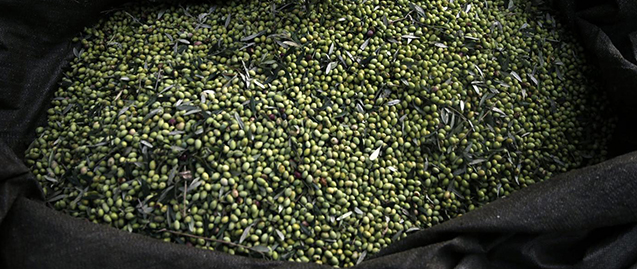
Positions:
{"x": 246, "y": 231}
{"x": 280, "y": 234}
{"x": 419, "y": 10}
{"x": 344, "y": 216}
{"x": 260, "y": 248}
{"x": 291, "y": 43}
{"x": 56, "y": 198}
{"x": 364, "y": 45}
{"x": 252, "y": 36}
{"x": 375, "y": 154}
{"x": 161, "y": 13}
{"x": 227, "y": 23}
{"x": 495, "y": 109}
{"x": 358, "y": 211}
{"x": 533, "y": 79}
{"x": 330, "y": 67}
{"x": 361, "y": 257}
{"x": 440, "y": 45}
{"x": 239, "y": 121}
{"x": 516, "y": 76}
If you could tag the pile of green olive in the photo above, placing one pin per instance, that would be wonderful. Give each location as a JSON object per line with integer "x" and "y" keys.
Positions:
{"x": 313, "y": 132}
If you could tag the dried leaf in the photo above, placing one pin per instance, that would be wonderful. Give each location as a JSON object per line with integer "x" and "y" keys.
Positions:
{"x": 475, "y": 87}
{"x": 498, "y": 110}
{"x": 361, "y": 257}
{"x": 516, "y": 76}
{"x": 358, "y": 211}
{"x": 176, "y": 132}
{"x": 291, "y": 43}
{"x": 252, "y": 36}
{"x": 440, "y": 45}
{"x": 122, "y": 111}
{"x": 56, "y": 198}
{"x": 444, "y": 116}
{"x": 160, "y": 14}
{"x": 190, "y": 112}
{"x": 280, "y": 234}
{"x": 145, "y": 143}
{"x": 533, "y": 79}
{"x": 479, "y": 70}
{"x": 375, "y": 154}
{"x": 360, "y": 108}
{"x": 194, "y": 185}
{"x": 418, "y": 9}
{"x": 238, "y": 119}
{"x": 167, "y": 88}
{"x": 261, "y": 248}
{"x": 50, "y": 178}
{"x": 344, "y": 216}
{"x": 330, "y": 67}
{"x": 559, "y": 73}
{"x": 201, "y": 17}
{"x": 153, "y": 113}
{"x": 76, "y": 52}
{"x": 177, "y": 148}
{"x": 364, "y": 45}
{"x": 227, "y": 21}
{"x": 246, "y": 231}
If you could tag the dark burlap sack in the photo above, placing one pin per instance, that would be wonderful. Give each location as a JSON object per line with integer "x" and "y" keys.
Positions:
{"x": 583, "y": 219}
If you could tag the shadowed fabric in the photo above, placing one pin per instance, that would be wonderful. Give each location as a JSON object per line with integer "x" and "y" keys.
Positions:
{"x": 586, "y": 218}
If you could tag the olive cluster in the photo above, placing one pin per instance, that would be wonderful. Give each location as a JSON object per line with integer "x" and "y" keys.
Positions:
{"x": 265, "y": 128}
